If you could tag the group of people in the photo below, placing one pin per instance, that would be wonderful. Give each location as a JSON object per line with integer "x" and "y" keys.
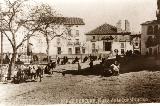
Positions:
{"x": 49, "y": 67}
{"x": 65, "y": 60}
{"x": 111, "y": 67}
{"x": 3, "y": 72}
{"x": 114, "y": 68}
{"x": 33, "y": 72}
{"x": 27, "y": 72}
{"x": 22, "y": 73}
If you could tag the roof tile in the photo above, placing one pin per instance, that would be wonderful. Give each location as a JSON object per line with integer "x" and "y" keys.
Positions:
{"x": 73, "y": 21}
{"x": 106, "y": 29}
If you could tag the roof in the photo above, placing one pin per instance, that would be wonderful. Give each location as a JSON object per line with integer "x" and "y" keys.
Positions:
{"x": 73, "y": 21}
{"x": 151, "y": 22}
{"x": 63, "y": 20}
{"x": 106, "y": 29}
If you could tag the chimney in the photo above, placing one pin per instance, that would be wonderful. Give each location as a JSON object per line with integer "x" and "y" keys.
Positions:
{"x": 119, "y": 26}
{"x": 127, "y": 26}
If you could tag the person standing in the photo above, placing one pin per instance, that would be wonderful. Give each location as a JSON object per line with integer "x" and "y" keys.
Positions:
{"x": 91, "y": 63}
{"x": 39, "y": 73}
{"x": 79, "y": 67}
{"x": 58, "y": 60}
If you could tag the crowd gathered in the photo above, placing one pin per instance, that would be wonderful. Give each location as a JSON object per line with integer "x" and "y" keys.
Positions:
{"x": 23, "y": 73}
{"x": 34, "y": 72}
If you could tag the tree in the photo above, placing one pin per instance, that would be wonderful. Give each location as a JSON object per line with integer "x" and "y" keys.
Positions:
{"x": 50, "y": 23}
{"x": 18, "y": 27}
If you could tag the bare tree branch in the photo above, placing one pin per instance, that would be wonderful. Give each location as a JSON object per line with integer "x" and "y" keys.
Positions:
{"x": 8, "y": 38}
{"x": 14, "y": 22}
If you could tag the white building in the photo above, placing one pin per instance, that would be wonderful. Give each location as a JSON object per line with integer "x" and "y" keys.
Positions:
{"x": 69, "y": 39}
{"x": 106, "y": 39}
{"x": 72, "y": 39}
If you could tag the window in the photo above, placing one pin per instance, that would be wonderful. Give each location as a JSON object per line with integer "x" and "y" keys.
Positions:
{"x": 122, "y": 45}
{"x": 107, "y": 46}
{"x": 77, "y": 42}
{"x": 149, "y": 42}
{"x": 58, "y": 50}
{"x": 77, "y": 32}
{"x": 93, "y": 47}
{"x": 150, "y": 30}
{"x": 69, "y": 50}
{"x": 136, "y": 44}
{"x": 83, "y": 50}
{"x": 77, "y": 50}
{"x": 93, "y": 37}
{"x": 156, "y": 29}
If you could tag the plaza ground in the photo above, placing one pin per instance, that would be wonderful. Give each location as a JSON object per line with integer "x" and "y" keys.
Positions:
{"x": 138, "y": 86}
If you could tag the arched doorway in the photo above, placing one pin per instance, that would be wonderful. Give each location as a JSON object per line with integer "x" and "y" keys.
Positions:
{"x": 150, "y": 51}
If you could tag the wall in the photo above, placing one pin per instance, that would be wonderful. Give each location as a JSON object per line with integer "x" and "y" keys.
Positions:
{"x": 64, "y": 39}
{"x": 144, "y": 38}
{"x": 116, "y": 43}
{"x": 135, "y": 40}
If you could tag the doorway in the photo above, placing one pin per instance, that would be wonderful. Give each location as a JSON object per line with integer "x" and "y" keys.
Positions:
{"x": 150, "y": 51}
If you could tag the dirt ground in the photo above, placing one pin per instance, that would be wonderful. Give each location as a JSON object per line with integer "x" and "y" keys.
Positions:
{"x": 129, "y": 87}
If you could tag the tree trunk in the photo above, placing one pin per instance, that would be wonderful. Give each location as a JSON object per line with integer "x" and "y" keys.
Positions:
{"x": 12, "y": 64}
{"x": 48, "y": 47}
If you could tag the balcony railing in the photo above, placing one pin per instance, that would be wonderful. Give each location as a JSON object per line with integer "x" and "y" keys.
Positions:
{"x": 73, "y": 43}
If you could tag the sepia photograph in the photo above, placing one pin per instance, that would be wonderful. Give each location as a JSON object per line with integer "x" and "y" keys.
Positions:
{"x": 79, "y": 52}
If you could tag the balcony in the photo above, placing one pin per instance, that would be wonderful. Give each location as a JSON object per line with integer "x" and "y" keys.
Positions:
{"x": 73, "y": 43}
{"x": 70, "y": 43}
{"x": 77, "y": 43}
{"x": 93, "y": 40}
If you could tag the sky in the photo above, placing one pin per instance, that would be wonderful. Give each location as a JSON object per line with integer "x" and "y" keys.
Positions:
{"x": 98, "y": 12}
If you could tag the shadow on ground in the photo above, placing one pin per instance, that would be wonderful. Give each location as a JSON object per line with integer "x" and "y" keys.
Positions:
{"x": 129, "y": 64}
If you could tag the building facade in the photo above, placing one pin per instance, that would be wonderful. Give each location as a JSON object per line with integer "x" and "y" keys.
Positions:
{"x": 106, "y": 39}
{"x": 150, "y": 38}
{"x": 150, "y": 43}
{"x": 71, "y": 38}
{"x": 136, "y": 42}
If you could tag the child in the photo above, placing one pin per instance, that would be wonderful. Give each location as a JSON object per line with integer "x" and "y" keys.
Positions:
{"x": 115, "y": 67}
